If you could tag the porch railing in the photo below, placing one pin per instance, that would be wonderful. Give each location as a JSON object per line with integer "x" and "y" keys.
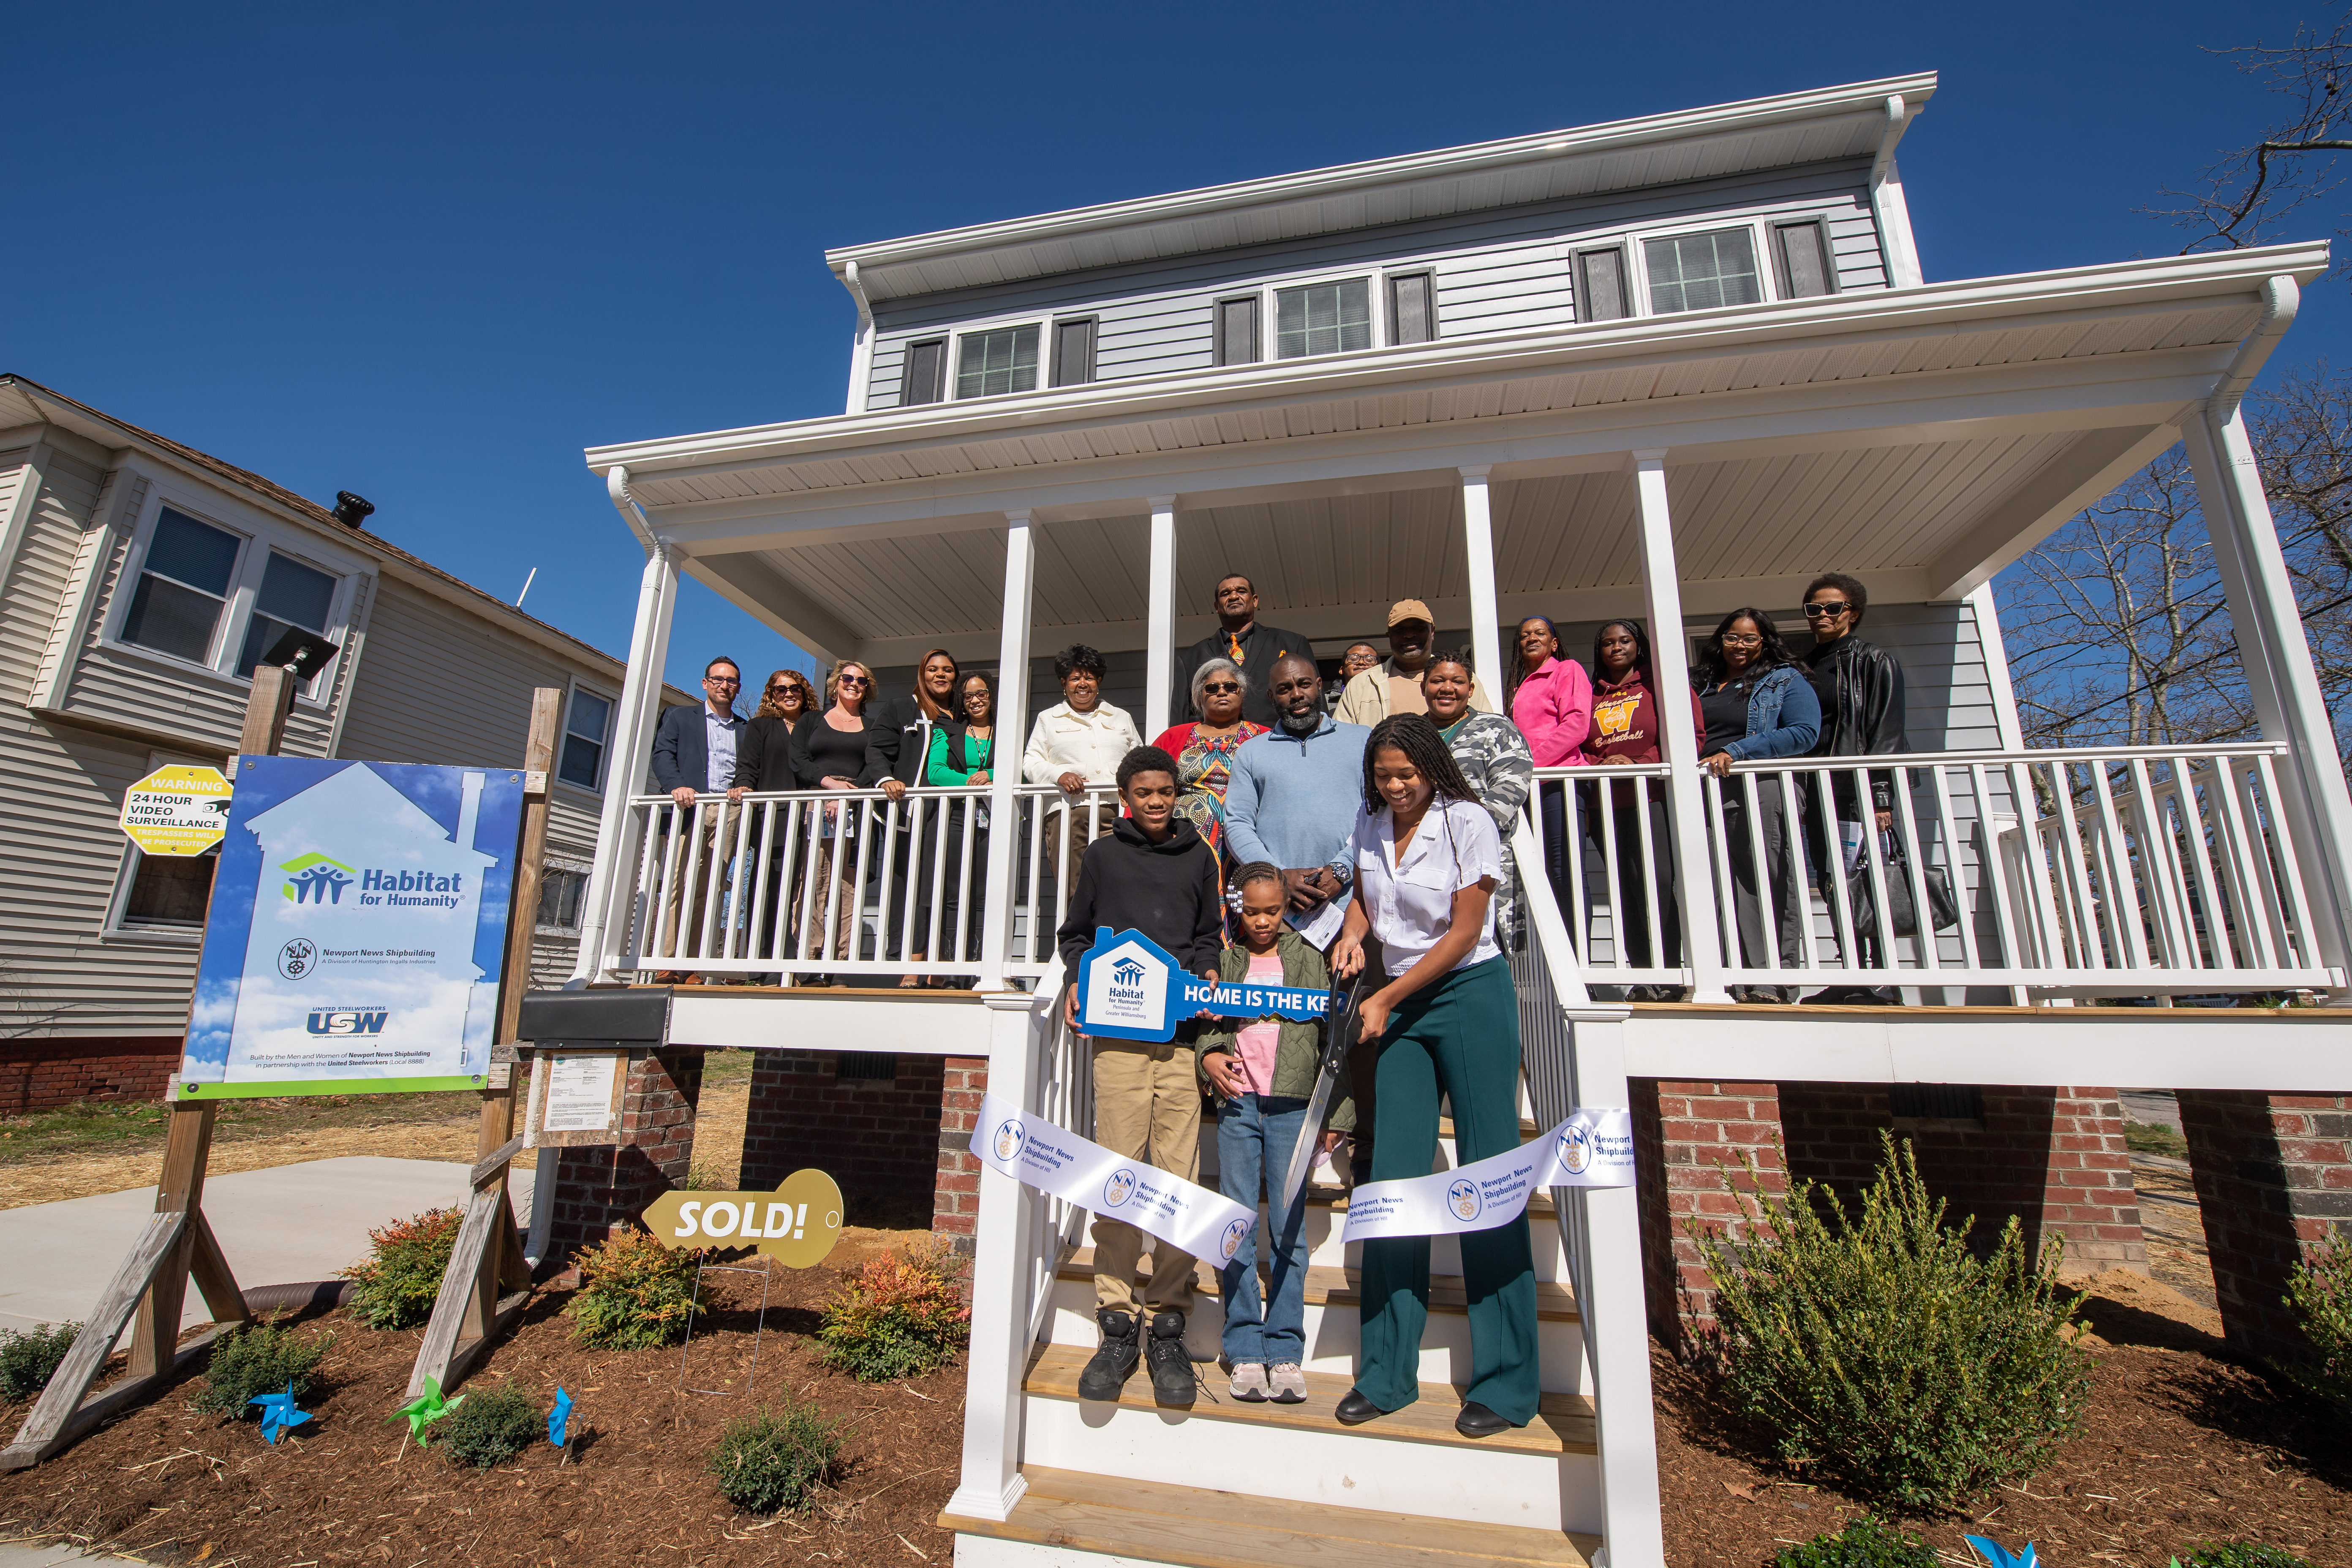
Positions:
{"x": 2100, "y": 871}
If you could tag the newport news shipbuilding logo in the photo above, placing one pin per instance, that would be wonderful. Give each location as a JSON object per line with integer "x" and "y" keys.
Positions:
{"x": 315, "y": 878}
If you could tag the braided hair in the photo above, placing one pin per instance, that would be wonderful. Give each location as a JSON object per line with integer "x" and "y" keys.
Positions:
{"x": 1424, "y": 748}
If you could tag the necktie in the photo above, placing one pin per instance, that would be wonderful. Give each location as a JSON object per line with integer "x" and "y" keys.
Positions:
{"x": 1239, "y": 657}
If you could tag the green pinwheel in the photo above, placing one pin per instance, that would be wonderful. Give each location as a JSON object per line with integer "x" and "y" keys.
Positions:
{"x": 426, "y": 1409}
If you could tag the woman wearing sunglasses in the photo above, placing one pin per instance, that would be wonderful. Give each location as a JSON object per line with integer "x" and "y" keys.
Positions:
{"x": 763, "y": 761}
{"x": 830, "y": 752}
{"x": 1204, "y": 750}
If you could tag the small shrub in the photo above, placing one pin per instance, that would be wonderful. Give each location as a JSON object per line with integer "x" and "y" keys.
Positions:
{"x": 259, "y": 1358}
{"x": 397, "y": 1282}
{"x": 29, "y": 1358}
{"x": 490, "y": 1427}
{"x": 2240, "y": 1555}
{"x": 774, "y": 1459}
{"x": 1881, "y": 1354}
{"x": 2320, "y": 1291}
{"x": 1864, "y": 1543}
{"x": 636, "y": 1294}
{"x": 898, "y": 1316}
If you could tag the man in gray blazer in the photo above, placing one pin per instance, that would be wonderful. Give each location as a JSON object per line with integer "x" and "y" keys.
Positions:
{"x": 694, "y": 756}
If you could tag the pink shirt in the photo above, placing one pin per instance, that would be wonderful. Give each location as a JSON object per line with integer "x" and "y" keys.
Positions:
{"x": 1553, "y": 709}
{"x": 1255, "y": 1046}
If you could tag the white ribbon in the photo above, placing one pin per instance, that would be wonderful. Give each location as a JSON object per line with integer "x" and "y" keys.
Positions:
{"x": 1590, "y": 1149}
{"x": 1055, "y": 1159}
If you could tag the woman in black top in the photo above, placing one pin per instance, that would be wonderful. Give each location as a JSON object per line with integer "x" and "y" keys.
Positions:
{"x": 829, "y": 753}
{"x": 763, "y": 762}
{"x": 962, "y": 754}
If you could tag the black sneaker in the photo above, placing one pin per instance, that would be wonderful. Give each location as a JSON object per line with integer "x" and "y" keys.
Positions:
{"x": 1113, "y": 1359}
{"x": 1172, "y": 1382}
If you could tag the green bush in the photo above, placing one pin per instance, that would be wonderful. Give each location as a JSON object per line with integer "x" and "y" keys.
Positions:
{"x": 2321, "y": 1294}
{"x": 2240, "y": 1555}
{"x": 1880, "y": 1354}
{"x": 397, "y": 1282}
{"x": 775, "y": 1459}
{"x": 636, "y": 1294}
{"x": 899, "y": 1316}
{"x": 259, "y": 1358}
{"x": 29, "y": 1358}
{"x": 1864, "y": 1543}
{"x": 491, "y": 1427}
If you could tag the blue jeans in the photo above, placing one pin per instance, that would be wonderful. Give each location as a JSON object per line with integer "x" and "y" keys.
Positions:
{"x": 1255, "y": 1140}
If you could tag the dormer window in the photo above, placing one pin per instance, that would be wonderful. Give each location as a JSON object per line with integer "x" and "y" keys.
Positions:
{"x": 1322, "y": 318}
{"x": 990, "y": 365}
{"x": 1703, "y": 271}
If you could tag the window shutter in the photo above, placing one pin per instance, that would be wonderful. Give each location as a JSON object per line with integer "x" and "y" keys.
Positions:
{"x": 1800, "y": 254}
{"x": 1600, "y": 286}
{"x": 1410, "y": 320}
{"x": 1073, "y": 353}
{"x": 1237, "y": 331}
{"x": 922, "y": 378}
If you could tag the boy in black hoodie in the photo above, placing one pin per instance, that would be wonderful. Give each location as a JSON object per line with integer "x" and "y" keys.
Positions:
{"x": 1156, "y": 875}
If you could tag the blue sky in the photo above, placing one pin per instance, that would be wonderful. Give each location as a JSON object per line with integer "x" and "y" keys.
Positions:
{"x": 427, "y": 254}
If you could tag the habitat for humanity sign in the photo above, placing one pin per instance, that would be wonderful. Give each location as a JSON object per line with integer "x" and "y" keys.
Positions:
{"x": 357, "y": 930}
{"x": 1131, "y": 988}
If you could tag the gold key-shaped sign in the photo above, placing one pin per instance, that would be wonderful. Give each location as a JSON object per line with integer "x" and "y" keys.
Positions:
{"x": 796, "y": 1224}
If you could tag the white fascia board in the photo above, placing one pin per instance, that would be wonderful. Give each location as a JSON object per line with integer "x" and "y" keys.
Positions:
{"x": 1718, "y": 119}
{"x": 2029, "y": 298}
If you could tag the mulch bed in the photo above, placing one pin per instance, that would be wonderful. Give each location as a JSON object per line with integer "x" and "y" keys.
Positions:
{"x": 176, "y": 1488}
{"x": 2181, "y": 1446}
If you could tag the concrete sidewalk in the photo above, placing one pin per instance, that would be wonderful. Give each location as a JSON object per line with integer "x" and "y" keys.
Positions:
{"x": 287, "y": 1226}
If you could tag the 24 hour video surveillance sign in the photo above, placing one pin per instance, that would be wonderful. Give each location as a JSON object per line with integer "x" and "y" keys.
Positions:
{"x": 357, "y": 930}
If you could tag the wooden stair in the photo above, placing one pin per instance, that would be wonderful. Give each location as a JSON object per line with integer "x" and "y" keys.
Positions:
{"x": 1155, "y": 1521}
{"x": 1330, "y": 1287}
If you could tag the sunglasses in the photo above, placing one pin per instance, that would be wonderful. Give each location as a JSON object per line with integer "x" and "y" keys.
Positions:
{"x": 853, "y": 680}
{"x": 1219, "y": 686}
{"x": 1827, "y": 610}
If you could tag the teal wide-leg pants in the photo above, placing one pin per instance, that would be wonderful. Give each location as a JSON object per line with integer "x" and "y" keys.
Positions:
{"x": 1460, "y": 1035}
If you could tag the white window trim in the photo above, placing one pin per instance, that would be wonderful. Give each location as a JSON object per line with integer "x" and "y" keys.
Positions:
{"x": 560, "y": 863}
{"x": 573, "y": 687}
{"x": 955, "y": 336}
{"x": 1637, "y": 264}
{"x": 113, "y": 931}
{"x": 259, "y": 536}
{"x": 1269, "y": 331}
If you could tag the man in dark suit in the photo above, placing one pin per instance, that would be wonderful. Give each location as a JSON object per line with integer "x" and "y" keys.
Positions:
{"x": 1240, "y": 638}
{"x": 694, "y": 755}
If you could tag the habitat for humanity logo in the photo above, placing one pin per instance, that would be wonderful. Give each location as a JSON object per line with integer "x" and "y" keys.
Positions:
{"x": 1128, "y": 972}
{"x": 348, "y": 1020}
{"x": 315, "y": 879}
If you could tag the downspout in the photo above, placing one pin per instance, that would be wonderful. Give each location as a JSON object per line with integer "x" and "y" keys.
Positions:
{"x": 2281, "y": 299}
{"x": 1897, "y": 245}
{"x": 861, "y": 358}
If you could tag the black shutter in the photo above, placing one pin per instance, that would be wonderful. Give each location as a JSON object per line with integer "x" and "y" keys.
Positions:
{"x": 922, "y": 378}
{"x": 1237, "y": 331}
{"x": 1410, "y": 320}
{"x": 1073, "y": 353}
{"x": 1600, "y": 286}
{"x": 1800, "y": 256}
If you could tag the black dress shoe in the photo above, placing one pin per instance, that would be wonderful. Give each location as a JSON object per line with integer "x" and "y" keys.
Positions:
{"x": 1477, "y": 1421}
{"x": 1354, "y": 1409}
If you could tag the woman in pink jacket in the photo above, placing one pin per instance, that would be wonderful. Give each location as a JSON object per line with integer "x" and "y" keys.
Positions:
{"x": 1551, "y": 702}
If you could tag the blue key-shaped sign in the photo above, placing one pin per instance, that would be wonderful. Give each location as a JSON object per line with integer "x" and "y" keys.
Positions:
{"x": 1131, "y": 988}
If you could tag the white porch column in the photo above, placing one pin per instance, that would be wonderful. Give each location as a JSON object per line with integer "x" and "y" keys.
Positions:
{"x": 1478, "y": 534}
{"x": 612, "y": 886}
{"x": 1160, "y": 645}
{"x": 2279, "y": 673}
{"x": 1011, "y": 735}
{"x": 1694, "y": 877}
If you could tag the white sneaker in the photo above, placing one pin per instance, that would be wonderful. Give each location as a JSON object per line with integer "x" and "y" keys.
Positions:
{"x": 1287, "y": 1384}
{"x": 1249, "y": 1382}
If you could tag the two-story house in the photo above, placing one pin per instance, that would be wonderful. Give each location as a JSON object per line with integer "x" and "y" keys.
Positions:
{"x": 140, "y": 582}
{"x": 1661, "y": 368}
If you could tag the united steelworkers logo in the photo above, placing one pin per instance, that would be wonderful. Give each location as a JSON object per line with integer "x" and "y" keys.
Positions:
{"x": 1119, "y": 1188}
{"x": 1009, "y": 1139}
{"x": 1462, "y": 1198}
{"x": 1231, "y": 1241}
{"x": 1575, "y": 1149}
{"x": 348, "y": 1020}
{"x": 315, "y": 879}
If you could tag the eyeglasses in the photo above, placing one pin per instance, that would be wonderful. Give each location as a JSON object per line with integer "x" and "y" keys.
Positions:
{"x": 1733, "y": 639}
{"x": 1828, "y": 609}
{"x": 853, "y": 680}
{"x": 721, "y": 680}
{"x": 1221, "y": 686}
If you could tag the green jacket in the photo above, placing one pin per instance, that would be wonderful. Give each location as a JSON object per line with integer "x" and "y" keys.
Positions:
{"x": 1301, "y": 1045}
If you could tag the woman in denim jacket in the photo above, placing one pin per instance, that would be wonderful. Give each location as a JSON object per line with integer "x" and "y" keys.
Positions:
{"x": 1758, "y": 704}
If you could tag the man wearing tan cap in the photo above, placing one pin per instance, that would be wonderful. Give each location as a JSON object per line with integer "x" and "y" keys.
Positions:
{"x": 1393, "y": 685}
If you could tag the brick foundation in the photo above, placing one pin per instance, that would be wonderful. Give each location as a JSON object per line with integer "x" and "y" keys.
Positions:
{"x": 879, "y": 1137}
{"x": 1687, "y": 1140}
{"x": 2273, "y": 1174}
{"x": 955, "y": 1190}
{"x": 43, "y": 1074}
{"x": 601, "y": 1191}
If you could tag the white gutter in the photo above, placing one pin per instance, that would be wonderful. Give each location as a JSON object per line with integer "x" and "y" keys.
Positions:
{"x": 617, "y": 486}
{"x": 1897, "y": 245}
{"x": 2281, "y": 299}
{"x": 861, "y": 357}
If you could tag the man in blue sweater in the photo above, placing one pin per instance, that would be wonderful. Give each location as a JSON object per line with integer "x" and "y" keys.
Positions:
{"x": 1293, "y": 800}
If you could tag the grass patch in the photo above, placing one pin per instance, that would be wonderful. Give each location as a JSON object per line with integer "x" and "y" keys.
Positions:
{"x": 2155, "y": 1138}
{"x": 106, "y": 1127}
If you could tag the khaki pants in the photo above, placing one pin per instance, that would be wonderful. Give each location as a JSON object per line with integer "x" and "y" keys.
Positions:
{"x": 1086, "y": 825}
{"x": 1147, "y": 1108}
{"x": 682, "y": 916}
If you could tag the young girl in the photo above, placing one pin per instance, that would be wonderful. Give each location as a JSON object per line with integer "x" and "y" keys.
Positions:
{"x": 1263, "y": 1074}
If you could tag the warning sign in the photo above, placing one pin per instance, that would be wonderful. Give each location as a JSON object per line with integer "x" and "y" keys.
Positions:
{"x": 177, "y": 811}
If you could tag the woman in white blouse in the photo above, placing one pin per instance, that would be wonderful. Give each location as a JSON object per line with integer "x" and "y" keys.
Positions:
{"x": 1428, "y": 859}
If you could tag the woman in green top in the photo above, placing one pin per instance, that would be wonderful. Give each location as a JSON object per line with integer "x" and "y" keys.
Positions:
{"x": 962, "y": 752}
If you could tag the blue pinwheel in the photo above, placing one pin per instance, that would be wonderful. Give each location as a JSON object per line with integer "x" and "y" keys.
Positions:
{"x": 559, "y": 1418}
{"x": 277, "y": 1413}
{"x": 2000, "y": 1556}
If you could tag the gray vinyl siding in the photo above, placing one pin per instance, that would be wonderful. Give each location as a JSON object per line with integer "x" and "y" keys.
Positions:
{"x": 436, "y": 685}
{"x": 1500, "y": 269}
{"x": 29, "y": 595}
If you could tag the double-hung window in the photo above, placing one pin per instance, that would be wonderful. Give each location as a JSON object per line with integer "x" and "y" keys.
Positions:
{"x": 991, "y": 364}
{"x": 183, "y": 588}
{"x": 291, "y": 594}
{"x": 1322, "y": 318}
{"x": 1703, "y": 271}
{"x": 586, "y": 731}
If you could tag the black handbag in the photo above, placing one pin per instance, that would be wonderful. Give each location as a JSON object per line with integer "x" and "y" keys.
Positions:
{"x": 1901, "y": 916}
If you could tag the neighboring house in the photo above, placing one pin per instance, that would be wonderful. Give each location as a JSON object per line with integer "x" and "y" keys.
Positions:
{"x": 140, "y": 580}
